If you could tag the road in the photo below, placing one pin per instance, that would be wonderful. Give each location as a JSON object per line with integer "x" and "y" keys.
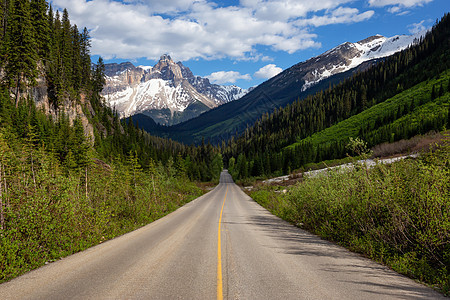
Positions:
{"x": 178, "y": 257}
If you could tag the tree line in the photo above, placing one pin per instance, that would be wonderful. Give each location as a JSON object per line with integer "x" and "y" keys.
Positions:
{"x": 263, "y": 148}
{"x": 38, "y": 43}
{"x": 63, "y": 189}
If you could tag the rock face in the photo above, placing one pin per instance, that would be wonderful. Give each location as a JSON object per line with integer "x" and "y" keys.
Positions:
{"x": 72, "y": 109}
{"x": 168, "y": 92}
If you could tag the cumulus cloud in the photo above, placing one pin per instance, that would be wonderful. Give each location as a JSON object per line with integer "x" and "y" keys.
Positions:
{"x": 337, "y": 16}
{"x": 416, "y": 27}
{"x": 398, "y": 6}
{"x": 132, "y": 29}
{"x": 223, "y": 77}
{"x": 268, "y": 71}
{"x": 404, "y": 3}
{"x": 282, "y": 10}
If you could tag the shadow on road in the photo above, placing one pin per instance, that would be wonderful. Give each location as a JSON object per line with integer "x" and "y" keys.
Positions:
{"x": 334, "y": 259}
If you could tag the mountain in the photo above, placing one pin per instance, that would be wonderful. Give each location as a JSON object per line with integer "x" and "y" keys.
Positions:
{"x": 168, "y": 92}
{"x": 403, "y": 95}
{"x": 296, "y": 82}
{"x": 350, "y": 55}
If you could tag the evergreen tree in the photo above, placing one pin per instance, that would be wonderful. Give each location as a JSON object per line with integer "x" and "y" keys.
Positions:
{"x": 66, "y": 50}
{"x": 99, "y": 76}
{"x": 21, "y": 63}
{"x": 5, "y": 14}
{"x": 85, "y": 44}
{"x": 41, "y": 26}
{"x": 441, "y": 91}
{"x": 448, "y": 118}
{"x": 76, "y": 60}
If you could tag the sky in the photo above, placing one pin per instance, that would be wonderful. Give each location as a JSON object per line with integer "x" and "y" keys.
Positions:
{"x": 240, "y": 42}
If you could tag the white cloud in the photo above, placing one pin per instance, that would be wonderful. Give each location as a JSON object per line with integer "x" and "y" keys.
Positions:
{"x": 133, "y": 29}
{"x": 416, "y": 27}
{"x": 404, "y": 3}
{"x": 398, "y": 6}
{"x": 283, "y": 10}
{"x": 394, "y": 9}
{"x": 165, "y": 6}
{"x": 339, "y": 15}
{"x": 223, "y": 77}
{"x": 268, "y": 71}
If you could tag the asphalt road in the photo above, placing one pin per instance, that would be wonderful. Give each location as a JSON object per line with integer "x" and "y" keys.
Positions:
{"x": 178, "y": 257}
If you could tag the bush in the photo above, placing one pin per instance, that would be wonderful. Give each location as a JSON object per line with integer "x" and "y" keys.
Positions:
{"x": 48, "y": 212}
{"x": 397, "y": 214}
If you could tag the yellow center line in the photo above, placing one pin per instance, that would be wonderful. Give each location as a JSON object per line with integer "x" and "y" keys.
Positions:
{"x": 219, "y": 255}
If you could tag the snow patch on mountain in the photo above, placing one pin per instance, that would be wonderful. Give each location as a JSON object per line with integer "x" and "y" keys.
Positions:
{"x": 228, "y": 93}
{"x": 146, "y": 68}
{"x": 153, "y": 94}
{"x": 350, "y": 55}
{"x": 165, "y": 86}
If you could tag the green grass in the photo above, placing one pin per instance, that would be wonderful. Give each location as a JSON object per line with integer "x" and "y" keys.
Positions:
{"x": 423, "y": 110}
{"x": 396, "y": 214}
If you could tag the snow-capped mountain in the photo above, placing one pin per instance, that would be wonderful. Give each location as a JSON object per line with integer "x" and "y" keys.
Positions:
{"x": 294, "y": 83}
{"x": 168, "y": 92}
{"x": 221, "y": 93}
{"x": 350, "y": 55}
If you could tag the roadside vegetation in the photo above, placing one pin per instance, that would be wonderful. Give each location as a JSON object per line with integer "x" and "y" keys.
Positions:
{"x": 72, "y": 174}
{"x": 49, "y": 210}
{"x": 396, "y": 214}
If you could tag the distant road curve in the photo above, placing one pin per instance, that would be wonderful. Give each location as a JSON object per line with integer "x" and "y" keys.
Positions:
{"x": 177, "y": 257}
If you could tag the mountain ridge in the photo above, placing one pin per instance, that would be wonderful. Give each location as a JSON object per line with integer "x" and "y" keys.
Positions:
{"x": 167, "y": 92}
{"x": 296, "y": 82}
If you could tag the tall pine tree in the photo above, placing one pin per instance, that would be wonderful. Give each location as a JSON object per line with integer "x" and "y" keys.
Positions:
{"x": 21, "y": 48}
{"x": 41, "y": 26}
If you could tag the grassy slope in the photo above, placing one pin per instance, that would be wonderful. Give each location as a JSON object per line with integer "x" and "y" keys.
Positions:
{"x": 419, "y": 93}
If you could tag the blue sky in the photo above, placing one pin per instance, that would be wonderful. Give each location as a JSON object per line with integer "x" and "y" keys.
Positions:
{"x": 240, "y": 42}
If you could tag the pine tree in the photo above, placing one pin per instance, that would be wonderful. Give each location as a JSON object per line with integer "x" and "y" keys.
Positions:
{"x": 99, "y": 76}
{"x": 5, "y": 15}
{"x": 85, "y": 44}
{"x": 448, "y": 118}
{"x": 441, "y": 91}
{"x": 21, "y": 62}
{"x": 66, "y": 50}
{"x": 41, "y": 26}
{"x": 76, "y": 59}
{"x": 52, "y": 63}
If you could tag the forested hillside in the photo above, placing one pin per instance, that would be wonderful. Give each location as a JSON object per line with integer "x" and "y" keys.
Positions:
{"x": 419, "y": 78}
{"x": 71, "y": 173}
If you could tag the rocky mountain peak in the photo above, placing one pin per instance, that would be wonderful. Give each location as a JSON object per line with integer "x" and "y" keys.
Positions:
{"x": 167, "y": 69}
{"x": 114, "y": 69}
{"x": 165, "y": 57}
{"x": 371, "y": 39}
{"x": 164, "y": 61}
{"x": 168, "y": 92}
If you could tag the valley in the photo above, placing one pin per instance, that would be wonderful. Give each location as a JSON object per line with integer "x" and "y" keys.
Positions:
{"x": 117, "y": 178}
{"x": 295, "y": 83}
